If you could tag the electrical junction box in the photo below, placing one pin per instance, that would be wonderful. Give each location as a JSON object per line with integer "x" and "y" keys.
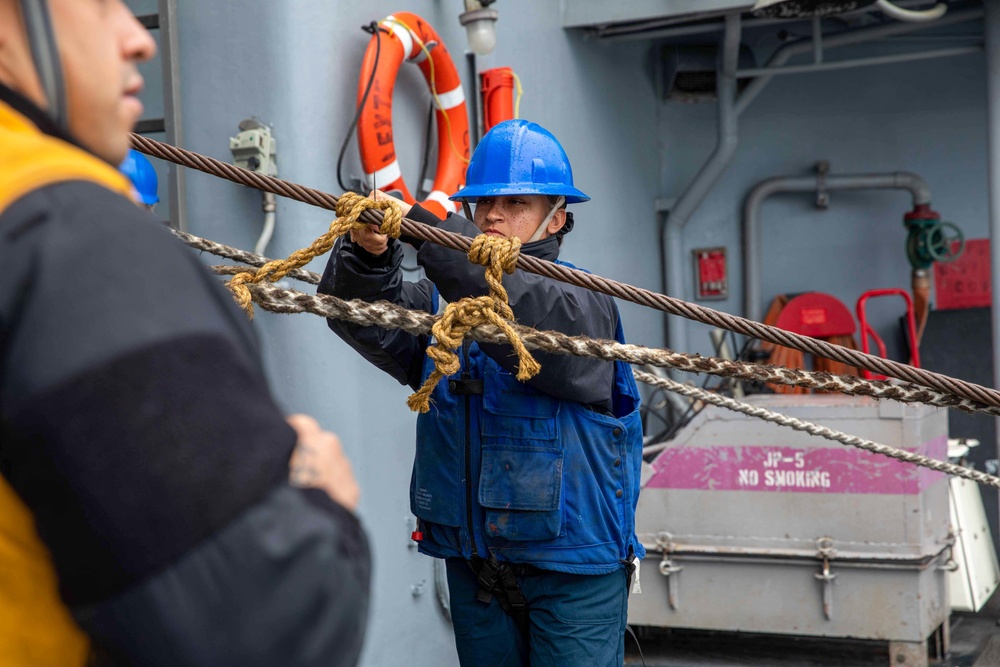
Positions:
{"x": 711, "y": 273}
{"x": 254, "y": 148}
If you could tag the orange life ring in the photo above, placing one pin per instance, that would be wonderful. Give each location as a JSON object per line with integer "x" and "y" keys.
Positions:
{"x": 402, "y": 43}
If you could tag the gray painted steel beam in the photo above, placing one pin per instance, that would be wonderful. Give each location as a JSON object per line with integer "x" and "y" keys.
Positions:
{"x": 584, "y": 13}
{"x": 172, "y": 107}
{"x": 857, "y": 62}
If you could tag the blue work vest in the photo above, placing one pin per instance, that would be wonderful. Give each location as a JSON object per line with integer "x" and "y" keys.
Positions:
{"x": 526, "y": 476}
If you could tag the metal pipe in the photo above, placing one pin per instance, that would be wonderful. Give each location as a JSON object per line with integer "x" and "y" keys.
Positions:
{"x": 857, "y": 62}
{"x": 785, "y": 53}
{"x": 936, "y": 563}
{"x": 672, "y": 225}
{"x": 992, "y": 25}
{"x": 899, "y": 180}
{"x": 900, "y": 14}
{"x": 475, "y": 118}
{"x": 692, "y": 551}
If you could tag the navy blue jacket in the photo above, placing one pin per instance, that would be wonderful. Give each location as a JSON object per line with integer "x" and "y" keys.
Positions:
{"x": 544, "y": 472}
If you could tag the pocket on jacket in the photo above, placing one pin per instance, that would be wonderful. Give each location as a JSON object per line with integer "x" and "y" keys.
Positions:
{"x": 513, "y": 410}
{"x": 520, "y": 481}
{"x": 520, "y": 489}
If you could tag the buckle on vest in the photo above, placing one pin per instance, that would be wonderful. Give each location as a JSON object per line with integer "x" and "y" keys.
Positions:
{"x": 466, "y": 387}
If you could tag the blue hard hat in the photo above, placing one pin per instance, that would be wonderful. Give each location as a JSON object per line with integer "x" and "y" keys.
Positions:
{"x": 140, "y": 171}
{"x": 518, "y": 157}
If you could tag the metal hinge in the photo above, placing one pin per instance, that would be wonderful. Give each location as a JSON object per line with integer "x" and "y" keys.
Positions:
{"x": 825, "y": 552}
{"x": 669, "y": 570}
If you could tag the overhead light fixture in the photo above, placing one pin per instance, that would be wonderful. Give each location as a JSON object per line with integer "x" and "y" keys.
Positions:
{"x": 799, "y": 9}
{"x": 479, "y": 21}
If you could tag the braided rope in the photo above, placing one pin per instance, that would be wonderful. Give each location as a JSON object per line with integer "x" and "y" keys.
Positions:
{"x": 349, "y": 209}
{"x": 390, "y": 316}
{"x": 499, "y": 256}
{"x": 820, "y": 381}
{"x": 968, "y": 390}
{"x": 815, "y": 429}
{"x": 242, "y": 256}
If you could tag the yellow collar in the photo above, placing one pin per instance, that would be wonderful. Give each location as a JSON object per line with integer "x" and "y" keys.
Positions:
{"x": 33, "y": 159}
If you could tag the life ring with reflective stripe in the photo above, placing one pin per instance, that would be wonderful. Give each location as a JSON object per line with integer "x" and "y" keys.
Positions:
{"x": 404, "y": 39}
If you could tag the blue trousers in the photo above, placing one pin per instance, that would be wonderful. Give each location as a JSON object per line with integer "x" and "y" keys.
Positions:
{"x": 574, "y": 620}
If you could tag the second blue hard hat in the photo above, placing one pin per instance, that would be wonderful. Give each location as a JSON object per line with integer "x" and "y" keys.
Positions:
{"x": 140, "y": 171}
{"x": 518, "y": 157}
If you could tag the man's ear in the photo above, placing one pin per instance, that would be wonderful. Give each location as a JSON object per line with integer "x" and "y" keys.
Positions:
{"x": 557, "y": 221}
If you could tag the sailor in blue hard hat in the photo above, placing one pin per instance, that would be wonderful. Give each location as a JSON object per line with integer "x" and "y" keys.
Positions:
{"x": 140, "y": 171}
{"x": 520, "y": 180}
{"x": 527, "y": 490}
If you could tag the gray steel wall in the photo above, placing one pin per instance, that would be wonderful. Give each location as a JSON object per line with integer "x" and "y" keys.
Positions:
{"x": 294, "y": 64}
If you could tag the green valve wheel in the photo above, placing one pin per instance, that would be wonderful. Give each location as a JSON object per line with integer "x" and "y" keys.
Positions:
{"x": 931, "y": 240}
{"x": 941, "y": 239}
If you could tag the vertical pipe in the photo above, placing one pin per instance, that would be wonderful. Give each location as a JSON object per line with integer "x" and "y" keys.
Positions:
{"x": 992, "y": 27}
{"x": 672, "y": 228}
{"x": 475, "y": 127}
{"x": 817, "y": 26}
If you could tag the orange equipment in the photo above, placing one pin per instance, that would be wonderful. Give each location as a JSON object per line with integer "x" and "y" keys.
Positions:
{"x": 407, "y": 37}
{"x": 497, "y": 91}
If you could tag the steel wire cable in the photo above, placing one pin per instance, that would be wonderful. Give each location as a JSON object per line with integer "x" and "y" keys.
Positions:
{"x": 818, "y": 430}
{"x": 390, "y": 316}
{"x": 674, "y": 306}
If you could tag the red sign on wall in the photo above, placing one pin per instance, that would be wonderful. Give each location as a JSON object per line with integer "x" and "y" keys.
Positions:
{"x": 711, "y": 277}
{"x": 964, "y": 283}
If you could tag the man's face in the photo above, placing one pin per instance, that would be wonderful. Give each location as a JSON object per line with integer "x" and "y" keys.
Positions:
{"x": 101, "y": 43}
{"x": 516, "y": 215}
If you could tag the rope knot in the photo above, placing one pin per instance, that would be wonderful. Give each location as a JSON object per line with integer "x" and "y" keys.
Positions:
{"x": 490, "y": 251}
{"x": 499, "y": 256}
{"x": 349, "y": 208}
{"x": 351, "y": 205}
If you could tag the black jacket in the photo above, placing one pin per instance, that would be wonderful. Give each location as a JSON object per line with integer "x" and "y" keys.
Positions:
{"x": 137, "y": 426}
{"x": 539, "y": 302}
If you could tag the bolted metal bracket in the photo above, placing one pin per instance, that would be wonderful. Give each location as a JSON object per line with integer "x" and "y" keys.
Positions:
{"x": 822, "y": 194}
